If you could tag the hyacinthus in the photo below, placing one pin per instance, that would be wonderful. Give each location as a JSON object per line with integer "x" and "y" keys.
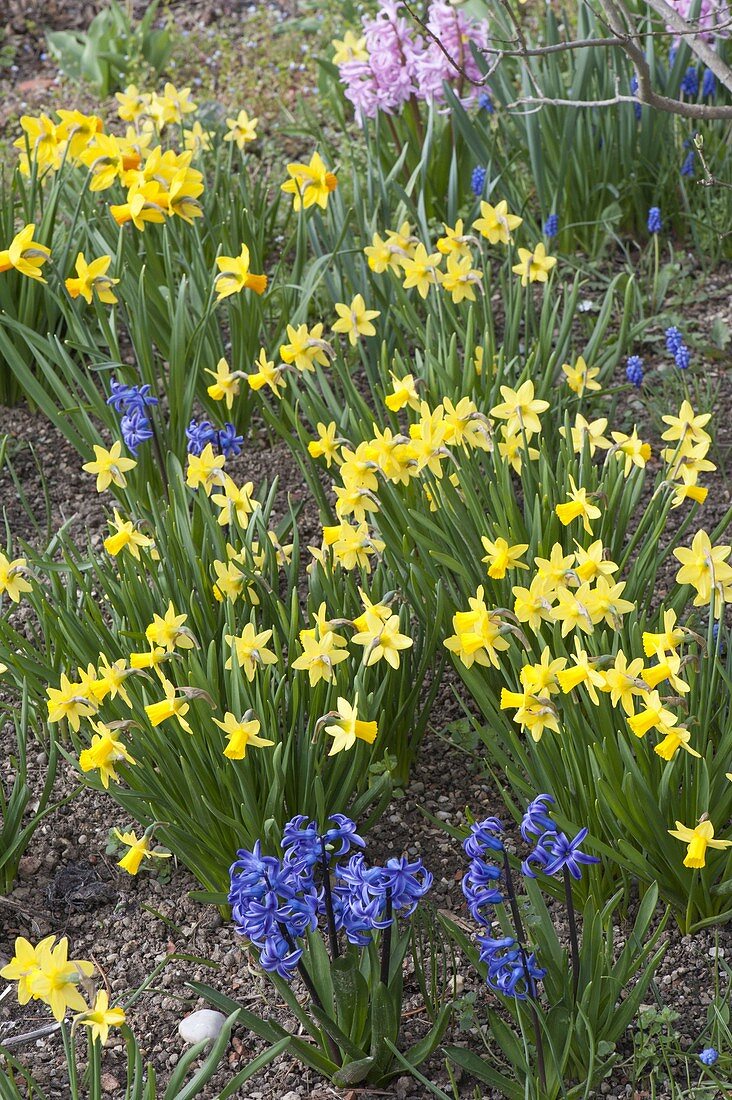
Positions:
{"x": 313, "y": 888}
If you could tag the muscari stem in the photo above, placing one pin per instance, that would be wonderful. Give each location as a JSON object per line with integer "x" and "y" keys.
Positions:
{"x": 519, "y": 928}
{"x": 574, "y": 942}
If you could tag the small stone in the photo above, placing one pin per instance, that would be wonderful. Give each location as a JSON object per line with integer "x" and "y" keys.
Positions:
{"x": 716, "y": 952}
{"x": 204, "y": 1024}
{"x": 109, "y": 1082}
{"x": 292, "y": 1095}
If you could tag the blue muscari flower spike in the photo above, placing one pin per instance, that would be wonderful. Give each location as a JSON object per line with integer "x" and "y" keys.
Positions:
{"x": 690, "y": 82}
{"x": 135, "y": 429}
{"x": 687, "y": 168}
{"x": 634, "y": 370}
{"x": 229, "y": 442}
{"x": 633, "y": 90}
{"x": 654, "y": 220}
{"x": 536, "y": 819}
{"x": 551, "y": 226}
{"x": 477, "y": 180}
{"x": 682, "y": 357}
{"x": 484, "y": 835}
{"x": 709, "y": 1056}
{"x": 555, "y": 852}
{"x": 674, "y": 339}
{"x": 709, "y": 84}
{"x": 199, "y": 435}
{"x": 485, "y": 101}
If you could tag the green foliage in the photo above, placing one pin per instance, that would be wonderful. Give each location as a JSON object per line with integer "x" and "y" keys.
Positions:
{"x": 579, "y": 1034}
{"x": 208, "y": 806}
{"x": 186, "y": 1081}
{"x": 353, "y": 1017}
{"x": 115, "y": 50}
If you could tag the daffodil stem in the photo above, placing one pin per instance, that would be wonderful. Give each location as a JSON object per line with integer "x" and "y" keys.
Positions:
{"x": 332, "y": 932}
{"x": 573, "y": 941}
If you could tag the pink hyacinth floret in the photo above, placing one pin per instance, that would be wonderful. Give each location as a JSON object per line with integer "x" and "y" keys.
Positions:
{"x": 713, "y": 18}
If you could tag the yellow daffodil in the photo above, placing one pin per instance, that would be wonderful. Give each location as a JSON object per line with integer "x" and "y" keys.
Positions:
{"x": 534, "y": 267}
{"x": 56, "y": 978}
{"x": 631, "y": 450}
{"x": 478, "y": 638}
{"x": 703, "y": 566}
{"x": 590, "y": 433}
{"x": 169, "y": 632}
{"x": 139, "y": 849}
{"x": 67, "y": 702}
{"x": 354, "y": 320}
{"x": 327, "y": 444}
{"x": 675, "y": 739}
{"x": 382, "y": 639}
{"x": 267, "y": 375}
{"x": 520, "y": 408}
{"x": 404, "y": 392}
{"x": 206, "y": 470}
{"x": 500, "y": 557}
{"x": 533, "y": 713}
{"x": 669, "y": 638}
{"x": 236, "y": 502}
{"x": 249, "y": 650}
{"x": 242, "y": 130}
{"x": 25, "y": 254}
{"x": 581, "y": 671}
{"x": 104, "y": 753}
{"x": 495, "y": 223}
{"x": 234, "y": 275}
{"x": 24, "y": 964}
{"x": 101, "y": 1017}
{"x": 309, "y": 184}
{"x": 174, "y": 705}
{"x": 349, "y": 48}
{"x": 460, "y": 278}
{"x": 225, "y": 386}
{"x": 577, "y": 507}
{"x": 147, "y": 202}
{"x": 241, "y": 733}
{"x": 92, "y": 279}
{"x": 110, "y": 466}
{"x": 126, "y": 537}
{"x": 306, "y": 348}
{"x": 319, "y": 656}
{"x": 421, "y": 270}
{"x": 348, "y": 728}
{"x": 580, "y": 377}
{"x": 698, "y": 840}
{"x": 651, "y": 715}
{"x": 12, "y": 579}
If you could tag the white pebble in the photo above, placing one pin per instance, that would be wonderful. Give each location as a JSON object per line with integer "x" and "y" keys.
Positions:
{"x": 204, "y": 1024}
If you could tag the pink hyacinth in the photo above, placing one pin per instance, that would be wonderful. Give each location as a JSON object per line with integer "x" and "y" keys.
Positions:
{"x": 387, "y": 80}
{"x": 713, "y": 17}
{"x": 456, "y": 32}
{"x": 403, "y": 64}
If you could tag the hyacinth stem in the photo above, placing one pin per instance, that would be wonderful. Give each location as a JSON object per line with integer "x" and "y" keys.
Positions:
{"x": 332, "y": 932}
{"x": 519, "y": 929}
{"x": 574, "y": 942}
{"x": 386, "y": 942}
{"x": 309, "y": 984}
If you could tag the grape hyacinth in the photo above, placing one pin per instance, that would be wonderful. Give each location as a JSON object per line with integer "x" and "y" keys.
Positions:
{"x": 675, "y": 346}
{"x": 477, "y": 180}
{"x": 709, "y": 1056}
{"x": 687, "y": 168}
{"x": 634, "y": 370}
{"x": 709, "y": 84}
{"x": 551, "y": 226}
{"x": 633, "y": 90}
{"x": 654, "y": 220}
{"x": 486, "y": 103}
{"x": 690, "y": 82}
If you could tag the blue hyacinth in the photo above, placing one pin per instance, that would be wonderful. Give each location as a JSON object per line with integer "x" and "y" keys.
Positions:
{"x": 634, "y": 370}
{"x": 199, "y": 435}
{"x": 555, "y": 852}
{"x": 229, "y": 443}
{"x": 654, "y": 220}
{"x": 135, "y": 429}
{"x": 477, "y": 180}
